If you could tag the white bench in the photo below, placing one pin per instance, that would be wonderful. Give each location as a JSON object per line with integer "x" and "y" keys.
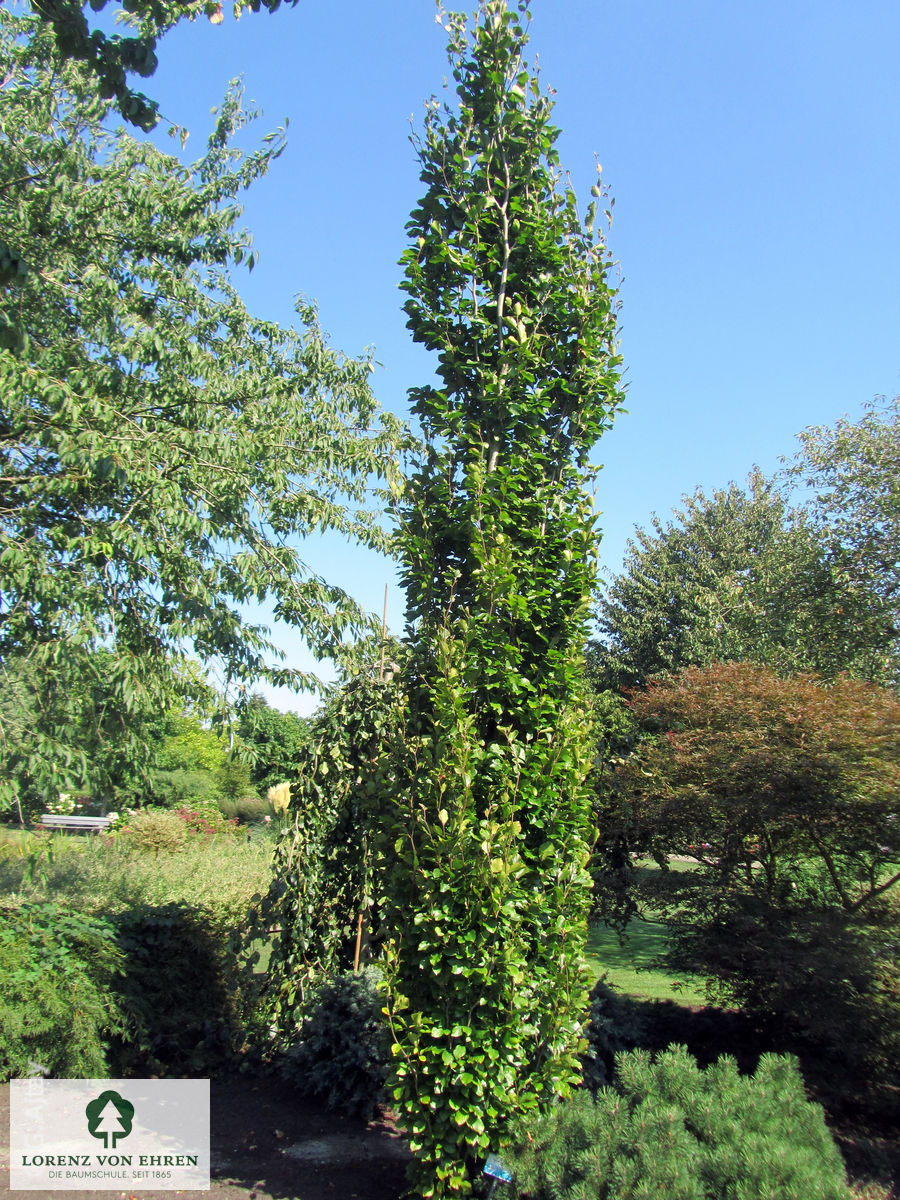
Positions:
{"x": 67, "y": 824}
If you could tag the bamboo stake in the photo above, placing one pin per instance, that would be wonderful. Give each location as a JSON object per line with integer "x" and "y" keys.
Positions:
{"x": 359, "y": 923}
{"x": 358, "y": 945}
{"x": 383, "y": 633}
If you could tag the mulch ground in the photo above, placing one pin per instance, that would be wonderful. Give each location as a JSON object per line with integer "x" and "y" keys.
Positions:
{"x": 268, "y": 1143}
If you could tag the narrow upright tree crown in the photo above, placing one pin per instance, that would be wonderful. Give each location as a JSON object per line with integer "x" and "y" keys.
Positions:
{"x": 510, "y": 288}
{"x": 487, "y": 893}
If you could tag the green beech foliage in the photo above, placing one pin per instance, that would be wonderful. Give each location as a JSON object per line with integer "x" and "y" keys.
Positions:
{"x": 329, "y": 861}
{"x": 486, "y": 887}
{"x": 161, "y": 450}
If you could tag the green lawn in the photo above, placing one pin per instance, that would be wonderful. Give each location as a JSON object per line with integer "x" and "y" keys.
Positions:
{"x": 76, "y": 871}
{"x": 627, "y": 966}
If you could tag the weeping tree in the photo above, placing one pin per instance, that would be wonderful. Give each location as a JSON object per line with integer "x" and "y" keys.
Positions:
{"x": 487, "y": 891}
{"x": 329, "y": 862}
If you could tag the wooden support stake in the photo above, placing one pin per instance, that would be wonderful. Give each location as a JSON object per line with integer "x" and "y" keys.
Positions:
{"x": 358, "y": 944}
{"x": 383, "y": 633}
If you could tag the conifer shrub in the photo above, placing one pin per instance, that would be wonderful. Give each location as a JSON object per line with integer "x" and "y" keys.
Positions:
{"x": 343, "y": 1052}
{"x": 56, "y": 1013}
{"x": 670, "y": 1129}
{"x": 233, "y": 778}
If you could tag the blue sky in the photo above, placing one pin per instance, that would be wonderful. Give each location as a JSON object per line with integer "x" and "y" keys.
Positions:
{"x": 752, "y": 150}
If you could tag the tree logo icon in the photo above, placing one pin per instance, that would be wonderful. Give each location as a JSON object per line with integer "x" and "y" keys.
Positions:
{"x": 109, "y": 1116}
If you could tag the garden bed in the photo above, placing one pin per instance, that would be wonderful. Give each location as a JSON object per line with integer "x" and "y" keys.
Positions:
{"x": 269, "y": 1143}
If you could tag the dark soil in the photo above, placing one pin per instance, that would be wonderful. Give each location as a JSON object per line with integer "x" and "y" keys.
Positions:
{"x": 268, "y": 1143}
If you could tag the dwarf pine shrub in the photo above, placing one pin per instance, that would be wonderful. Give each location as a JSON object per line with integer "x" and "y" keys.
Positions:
{"x": 669, "y": 1129}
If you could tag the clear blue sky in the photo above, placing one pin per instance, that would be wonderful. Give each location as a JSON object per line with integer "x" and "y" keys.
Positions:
{"x": 753, "y": 152}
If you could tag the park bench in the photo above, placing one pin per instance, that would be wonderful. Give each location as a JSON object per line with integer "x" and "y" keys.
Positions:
{"x": 76, "y": 824}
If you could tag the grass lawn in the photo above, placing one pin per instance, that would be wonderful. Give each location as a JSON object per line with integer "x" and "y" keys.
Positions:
{"x": 103, "y": 874}
{"x": 628, "y": 966}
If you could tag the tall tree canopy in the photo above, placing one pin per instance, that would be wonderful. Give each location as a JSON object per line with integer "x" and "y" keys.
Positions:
{"x": 487, "y": 889}
{"x": 853, "y": 470}
{"x": 110, "y": 60}
{"x": 739, "y": 575}
{"x": 161, "y": 449}
{"x": 275, "y": 739}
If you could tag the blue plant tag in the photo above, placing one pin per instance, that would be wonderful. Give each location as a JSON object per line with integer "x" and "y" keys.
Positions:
{"x": 497, "y": 1168}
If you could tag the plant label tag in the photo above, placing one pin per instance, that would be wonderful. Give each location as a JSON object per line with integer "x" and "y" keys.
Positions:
{"x": 496, "y": 1168}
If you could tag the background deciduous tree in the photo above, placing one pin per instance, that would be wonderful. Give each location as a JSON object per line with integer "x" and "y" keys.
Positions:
{"x": 853, "y": 470}
{"x": 740, "y": 575}
{"x": 66, "y": 731}
{"x": 787, "y": 790}
{"x": 275, "y": 741}
{"x": 162, "y": 451}
{"x": 111, "y": 59}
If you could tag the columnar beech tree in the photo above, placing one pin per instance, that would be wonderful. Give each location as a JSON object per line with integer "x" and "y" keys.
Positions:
{"x": 488, "y": 893}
